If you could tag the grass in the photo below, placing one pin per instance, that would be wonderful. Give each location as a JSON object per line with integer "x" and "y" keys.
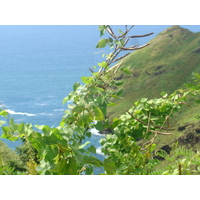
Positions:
{"x": 165, "y": 65}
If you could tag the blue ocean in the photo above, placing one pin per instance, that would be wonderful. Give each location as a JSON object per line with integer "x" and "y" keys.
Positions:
{"x": 40, "y": 64}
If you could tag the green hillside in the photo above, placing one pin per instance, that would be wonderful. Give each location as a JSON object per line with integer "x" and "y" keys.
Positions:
{"x": 165, "y": 65}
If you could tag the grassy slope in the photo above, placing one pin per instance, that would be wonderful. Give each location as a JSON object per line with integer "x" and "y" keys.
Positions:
{"x": 169, "y": 61}
{"x": 165, "y": 65}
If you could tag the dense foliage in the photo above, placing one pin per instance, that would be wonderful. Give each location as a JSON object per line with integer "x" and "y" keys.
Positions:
{"x": 130, "y": 149}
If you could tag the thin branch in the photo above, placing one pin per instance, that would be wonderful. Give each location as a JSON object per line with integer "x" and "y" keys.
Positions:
{"x": 131, "y": 49}
{"x": 124, "y": 34}
{"x": 185, "y": 104}
{"x": 149, "y": 121}
{"x": 121, "y": 57}
{"x": 137, "y": 36}
{"x": 131, "y": 27}
{"x": 158, "y": 132}
{"x": 91, "y": 70}
{"x": 111, "y": 32}
{"x": 147, "y": 124}
{"x": 150, "y": 141}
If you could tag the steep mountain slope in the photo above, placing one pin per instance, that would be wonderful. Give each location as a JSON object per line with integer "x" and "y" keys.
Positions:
{"x": 165, "y": 65}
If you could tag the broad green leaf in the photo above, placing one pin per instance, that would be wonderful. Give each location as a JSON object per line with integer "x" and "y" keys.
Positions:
{"x": 60, "y": 167}
{"x": 21, "y": 127}
{"x": 71, "y": 167}
{"x": 103, "y": 64}
{"x": 164, "y": 94}
{"x": 110, "y": 39}
{"x": 2, "y": 122}
{"x": 99, "y": 126}
{"x": 102, "y": 43}
{"x": 119, "y": 92}
{"x": 92, "y": 149}
{"x": 92, "y": 160}
{"x": 51, "y": 153}
{"x": 78, "y": 108}
{"x": 47, "y": 130}
{"x": 123, "y": 166}
{"x": 85, "y": 79}
{"x": 4, "y": 113}
{"x": 118, "y": 83}
{"x": 65, "y": 100}
{"x": 40, "y": 127}
{"x": 109, "y": 166}
{"x": 89, "y": 170}
{"x": 98, "y": 113}
{"x": 102, "y": 29}
{"x": 76, "y": 86}
{"x": 13, "y": 125}
{"x": 127, "y": 72}
{"x": 111, "y": 104}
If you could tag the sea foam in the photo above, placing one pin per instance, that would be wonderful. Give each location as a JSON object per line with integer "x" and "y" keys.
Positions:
{"x": 19, "y": 113}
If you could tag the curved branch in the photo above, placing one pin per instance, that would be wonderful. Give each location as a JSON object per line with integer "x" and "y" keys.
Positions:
{"x": 147, "y": 124}
{"x": 131, "y": 49}
{"x": 111, "y": 32}
{"x": 158, "y": 132}
{"x": 137, "y": 36}
{"x": 121, "y": 57}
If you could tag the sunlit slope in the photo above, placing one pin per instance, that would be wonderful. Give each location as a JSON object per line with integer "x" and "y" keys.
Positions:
{"x": 165, "y": 65}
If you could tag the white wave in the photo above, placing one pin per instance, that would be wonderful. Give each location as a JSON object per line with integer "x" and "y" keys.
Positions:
{"x": 46, "y": 114}
{"x": 19, "y": 113}
{"x": 99, "y": 152}
{"x": 41, "y": 104}
{"x": 94, "y": 131}
{"x": 58, "y": 109}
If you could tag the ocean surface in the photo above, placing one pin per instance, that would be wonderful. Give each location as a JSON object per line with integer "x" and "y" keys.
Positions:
{"x": 40, "y": 64}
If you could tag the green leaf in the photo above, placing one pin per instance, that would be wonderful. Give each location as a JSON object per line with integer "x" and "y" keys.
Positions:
{"x": 2, "y": 122}
{"x": 21, "y": 127}
{"x": 123, "y": 167}
{"x": 40, "y": 127}
{"x": 92, "y": 160}
{"x": 4, "y": 113}
{"x": 92, "y": 149}
{"x": 109, "y": 166}
{"x": 99, "y": 126}
{"x": 60, "y": 166}
{"x": 46, "y": 129}
{"x": 98, "y": 113}
{"x": 110, "y": 39}
{"x": 71, "y": 168}
{"x": 102, "y": 29}
{"x": 76, "y": 86}
{"x": 120, "y": 31}
{"x": 111, "y": 104}
{"x": 83, "y": 145}
{"x": 119, "y": 92}
{"x": 118, "y": 83}
{"x": 89, "y": 170}
{"x": 103, "y": 64}
{"x": 85, "y": 79}
{"x": 127, "y": 72}
{"x": 102, "y": 43}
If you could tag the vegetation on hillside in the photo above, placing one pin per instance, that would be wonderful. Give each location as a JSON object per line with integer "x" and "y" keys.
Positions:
{"x": 132, "y": 147}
